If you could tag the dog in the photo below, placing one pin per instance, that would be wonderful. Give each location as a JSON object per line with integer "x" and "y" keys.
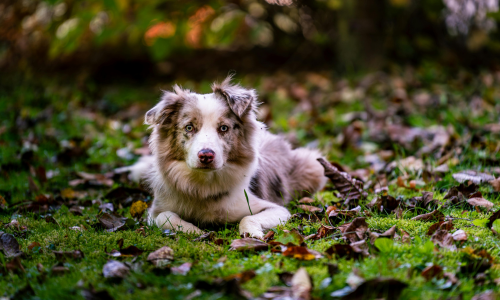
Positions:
{"x": 213, "y": 162}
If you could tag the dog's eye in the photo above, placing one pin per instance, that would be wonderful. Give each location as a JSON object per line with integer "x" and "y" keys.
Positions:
{"x": 224, "y": 128}
{"x": 189, "y": 128}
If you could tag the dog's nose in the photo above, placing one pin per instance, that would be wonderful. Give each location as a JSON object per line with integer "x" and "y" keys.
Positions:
{"x": 206, "y": 156}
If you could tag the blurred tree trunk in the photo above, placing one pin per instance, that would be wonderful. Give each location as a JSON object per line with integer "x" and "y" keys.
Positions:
{"x": 361, "y": 29}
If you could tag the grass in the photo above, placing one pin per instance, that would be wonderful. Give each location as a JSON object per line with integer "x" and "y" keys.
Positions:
{"x": 39, "y": 121}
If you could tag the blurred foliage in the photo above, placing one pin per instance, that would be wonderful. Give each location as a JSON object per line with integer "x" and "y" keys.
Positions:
{"x": 345, "y": 35}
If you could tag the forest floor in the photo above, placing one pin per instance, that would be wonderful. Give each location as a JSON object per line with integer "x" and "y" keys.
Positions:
{"x": 424, "y": 143}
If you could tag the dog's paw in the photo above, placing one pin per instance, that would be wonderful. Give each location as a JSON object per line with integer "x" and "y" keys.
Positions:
{"x": 247, "y": 225}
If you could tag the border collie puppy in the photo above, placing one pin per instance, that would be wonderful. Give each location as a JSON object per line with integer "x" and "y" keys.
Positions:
{"x": 210, "y": 154}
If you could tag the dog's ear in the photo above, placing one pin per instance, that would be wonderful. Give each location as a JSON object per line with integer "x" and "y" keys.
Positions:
{"x": 163, "y": 112}
{"x": 239, "y": 99}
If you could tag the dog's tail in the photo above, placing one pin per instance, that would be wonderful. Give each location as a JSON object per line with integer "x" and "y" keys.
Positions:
{"x": 139, "y": 169}
{"x": 307, "y": 175}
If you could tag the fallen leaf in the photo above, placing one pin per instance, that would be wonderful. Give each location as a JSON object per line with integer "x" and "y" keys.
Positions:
{"x": 378, "y": 288}
{"x": 286, "y": 278}
{"x": 390, "y": 233}
{"x": 385, "y": 203}
{"x": 63, "y": 256}
{"x": 337, "y": 216}
{"x": 459, "y": 235}
{"x": 474, "y": 176}
{"x": 344, "y": 251}
{"x": 138, "y": 208}
{"x": 242, "y": 277}
{"x": 349, "y": 188}
{"x": 59, "y": 269}
{"x": 269, "y": 236}
{"x": 301, "y": 253}
{"x": 161, "y": 257}
{"x": 492, "y": 218}
{"x": 126, "y": 196}
{"x": 9, "y": 245}
{"x": 300, "y": 288}
{"x": 209, "y": 236}
{"x": 432, "y": 271}
{"x": 115, "y": 269}
{"x": 290, "y": 237}
{"x": 112, "y": 222}
{"x": 495, "y": 184}
{"x": 440, "y": 225}
{"x": 14, "y": 266}
{"x": 444, "y": 239}
{"x": 248, "y": 244}
{"x": 323, "y": 232}
{"x": 480, "y": 202}
{"x": 486, "y": 295}
{"x": 432, "y": 216}
{"x": 309, "y": 208}
{"x": 306, "y": 200}
{"x": 182, "y": 269}
{"x": 36, "y": 246}
{"x": 356, "y": 230}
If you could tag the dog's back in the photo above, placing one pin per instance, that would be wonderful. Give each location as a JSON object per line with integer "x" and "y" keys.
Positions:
{"x": 283, "y": 173}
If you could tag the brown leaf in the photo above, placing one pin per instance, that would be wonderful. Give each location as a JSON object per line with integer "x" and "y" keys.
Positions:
{"x": 76, "y": 210}
{"x": 242, "y": 277}
{"x": 474, "y": 176}
{"x": 349, "y": 188}
{"x": 115, "y": 269}
{"x": 300, "y": 288}
{"x": 9, "y": 245}
{"x": 161, "y": 257}
{"x": 63, "y": 256}
{"x": 306, "y": 200}
{"x": 126, "y": 196}
{"x": 344, "y": 251}
{"x": 459, "y": 235}
{"x": 493, "y": 217}
{"x": 35, "y": 245}
{"x": 385, "y": 203}
{"x": 390, "y": 233}
{"x": 323, "y": 231}
{"x": 495, "y": 184}
{"x": 286, "y": 278}
{"x": 182, "y": 269}
{"x": 112, "y": 222}
{"x": 486, "y": 295}
{"x": 59, "y": 269}
{"x": 208, "y": 236}
{"x": 378, "y": 288}
{"x": 440, "y": 225}
{"x": 130, "y": 251}
{"x": 466, "y": 190}
{"x": 309, "y": 208}
{"x": 432, "y": 216}
{"x": 443, "y": 238}
{"x": 337, "y": 216}
{"x": 432, "y": 272}
{"x": 405, "y": 237}
{"x": 480, "y": 202}
{"x": 290, "y": 238}
{"x": 248, "y": 244}
{"x": 269, "y": 236}
{"x": 356, "y": 230}
{"x": 301, "y": 253}
{"x": 14, "y": 266}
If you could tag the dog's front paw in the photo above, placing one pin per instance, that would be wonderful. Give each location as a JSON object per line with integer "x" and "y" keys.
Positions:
{"x": 254, "y": 229}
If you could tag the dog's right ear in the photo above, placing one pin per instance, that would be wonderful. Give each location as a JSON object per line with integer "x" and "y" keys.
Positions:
{"x": 164, "y": 111}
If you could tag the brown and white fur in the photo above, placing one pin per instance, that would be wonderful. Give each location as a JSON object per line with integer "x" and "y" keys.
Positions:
{"x": 208, "y": 150}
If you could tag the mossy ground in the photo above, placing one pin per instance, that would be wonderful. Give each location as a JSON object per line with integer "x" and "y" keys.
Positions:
{"x": 43, "y": 117}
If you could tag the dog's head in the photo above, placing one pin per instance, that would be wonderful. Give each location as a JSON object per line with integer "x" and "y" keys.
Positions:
{"x": 205, "y": 131}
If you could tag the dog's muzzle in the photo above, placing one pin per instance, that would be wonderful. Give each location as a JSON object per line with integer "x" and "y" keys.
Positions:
{"x": 206, "y": 156}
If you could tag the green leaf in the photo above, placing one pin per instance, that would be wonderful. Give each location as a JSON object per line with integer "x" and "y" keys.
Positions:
{"x": 292, "y": 237}
{"x": 480, "y": 222}
{"x": 384, "y": 245}
{"x": 496, "y": 225}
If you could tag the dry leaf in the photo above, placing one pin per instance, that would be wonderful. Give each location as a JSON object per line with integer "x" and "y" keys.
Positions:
{"x": 182, "y": 269}
{"x": 63, "y": 256}
{"x": 301, "y": 253}
{"x": 432, "y": 216}
{"x": 474, "y": 176}
{"x": 349, "y": 188}
{"x": 309, "y": 208}
{"x": 9, "y": 245}
{"x": 161, "y": 257}
{"x": 306, "y": 200}
{"x": 432, "y": 271}
{"x": 356, "y": 230}
{"x": 477, "y": 201}
{"x": 459, "y": 235}
{"x": 249, "y": 244}
{"x": 115, "y": 269}
{"x": 113, "y": 222}
{"x": 444, "y": 239}
{"x": 495, "y": 184}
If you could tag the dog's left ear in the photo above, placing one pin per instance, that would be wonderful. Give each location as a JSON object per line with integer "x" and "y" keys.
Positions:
{"x": 240, "y": 100}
